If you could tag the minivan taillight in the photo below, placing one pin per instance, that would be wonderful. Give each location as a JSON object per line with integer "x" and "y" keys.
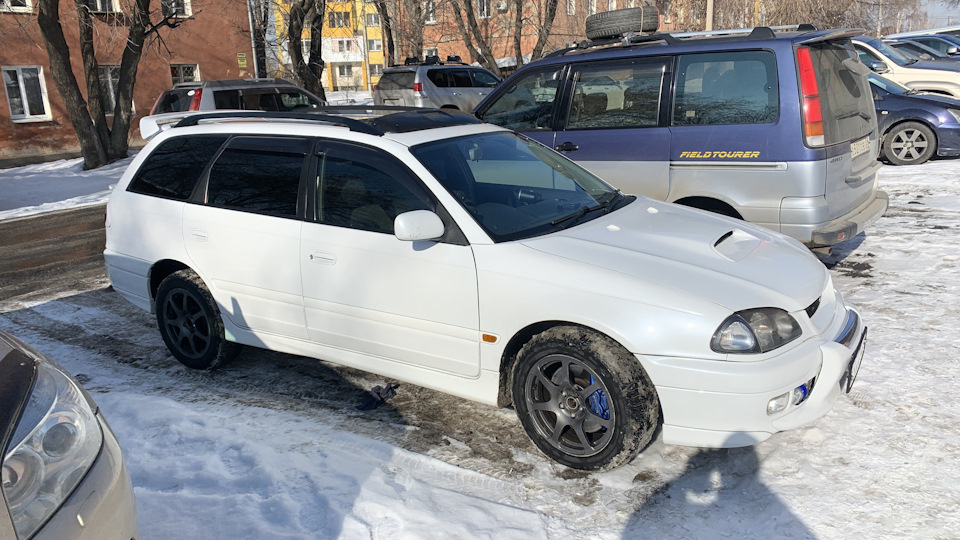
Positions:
{"x": 810, "y": 92}
{"x": 418, "y": 87}
{"x": 195, "y": 102}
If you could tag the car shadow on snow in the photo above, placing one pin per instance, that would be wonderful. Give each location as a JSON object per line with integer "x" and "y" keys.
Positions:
{"x": 719, "y": 495}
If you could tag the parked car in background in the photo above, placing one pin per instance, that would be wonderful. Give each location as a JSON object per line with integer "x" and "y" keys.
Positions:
{"x": 917, "y": 50}
{"x": 938, "y": 76}
{"x": 427, "y": 246}
{"x": 776, "y": 128}
{"x": 431, "y": 83}
{"x": 63, "y": 474}
{"x": 953, "y": 30}
{"x": 915, "y": 126}
{"x": 268, "y": 94}
{"x": 945, "y": 44}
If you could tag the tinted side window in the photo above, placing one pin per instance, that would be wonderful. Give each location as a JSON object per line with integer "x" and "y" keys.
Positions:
{"x": 174, "y": 101}
{"x": 262, "y": 101}
{"x": 396, "y": 80}
{"x": 617, "y": 95}
{"x": 258, "y": 174}
{"x": 727, "y": 88}
{"x": 438, "y": 78}
{"x": 226, "y": 99}
{"x": 174, "y": 168}
{"x": 361, "y": 188}
{"x": 528, "y": 102}
{"x": 483, "y": 79}
{"x": 459, "y": 78}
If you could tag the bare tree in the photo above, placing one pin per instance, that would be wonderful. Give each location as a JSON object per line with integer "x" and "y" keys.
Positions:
{"x": 260, "y": 21}
{"x": 471, "y": 32}
{"x": 386, "y": 28}
{"x": 546, "y": 26}
{"x": 307, "y": 13}
{"x": 100, "y": 142}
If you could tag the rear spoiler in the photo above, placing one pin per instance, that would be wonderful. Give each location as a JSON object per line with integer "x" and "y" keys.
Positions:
{"x": 829, "y": 35}
{"x": 152, "y": 125}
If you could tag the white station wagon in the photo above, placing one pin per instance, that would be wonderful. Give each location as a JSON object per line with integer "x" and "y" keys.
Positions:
{"x": 427, "y": 247}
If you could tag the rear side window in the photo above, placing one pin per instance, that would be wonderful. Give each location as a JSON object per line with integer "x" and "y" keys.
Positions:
{"x": 226, "y": 99}
{"x": 396, "y": 80}
{"x": 438, "y": 78}
{"x": 174, "y": 168}
{"x": 621, "y": 94}
{"x": 846, "y": 101}
{"x": 259, "y": 175}
{"x": 459, "y": 78}
{"x": 727, "y": 88}
{"x": 483, "y": 79}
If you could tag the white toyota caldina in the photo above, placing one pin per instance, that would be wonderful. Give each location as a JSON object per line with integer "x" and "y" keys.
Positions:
{"x": 427, "y": 247}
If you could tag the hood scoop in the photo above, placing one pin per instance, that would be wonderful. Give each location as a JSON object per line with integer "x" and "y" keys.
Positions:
{"x": 736, "y": 244}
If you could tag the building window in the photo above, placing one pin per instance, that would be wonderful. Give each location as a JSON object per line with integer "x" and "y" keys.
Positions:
{"x": 483, "y": 9}
{"x": 431, "y": 51}
{"x": 184, "y": 73}
{"x": 176, "y": 8}
{"x": 16, "y": 5}
{"x": 571, "y": 7}
{"x": 344, "y": 45}
{"x": 109, "y": 79}
{"x": 26, "y": 93}
{"x": 373, "y": 19}
{"x": 430, "y": 12}
{"x": 376, "y": 70}
{"x": 345, "y": 70}
{"x": 612, "y": 5}
{"x": 591, "y": 7}
{"x": 338, "y": 19}
{"x": 374, "y": 45}
{"x": 101, "y": 6}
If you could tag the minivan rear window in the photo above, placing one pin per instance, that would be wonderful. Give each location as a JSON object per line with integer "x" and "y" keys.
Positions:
{"x": 846, "y": 101}
{"x": 396, "y": 80}
{"x": 174, "y": 168}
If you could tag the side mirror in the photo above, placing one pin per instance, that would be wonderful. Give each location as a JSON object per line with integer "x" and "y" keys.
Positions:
{"x": 418, "y": 225}
{"x": 952, "y": 50}
{"x": 878, "y": 67}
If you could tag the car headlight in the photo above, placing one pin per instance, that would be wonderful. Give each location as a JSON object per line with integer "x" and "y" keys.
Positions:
{"x": 955, "y": 113}
{"x": 755, "y": 331}
{"x": 56, "y": 441}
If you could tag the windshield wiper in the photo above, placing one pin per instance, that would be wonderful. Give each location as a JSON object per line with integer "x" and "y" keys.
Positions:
{"x": 579, "y": 213}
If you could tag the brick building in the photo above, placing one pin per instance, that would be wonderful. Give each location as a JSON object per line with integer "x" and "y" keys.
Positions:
{"x": 212, "y": 43}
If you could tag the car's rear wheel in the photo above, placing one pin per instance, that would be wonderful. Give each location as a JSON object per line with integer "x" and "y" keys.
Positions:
{"x": 909, "y": 143}
{"x": 583, "y": 399}
{"x": 190, "y": 322}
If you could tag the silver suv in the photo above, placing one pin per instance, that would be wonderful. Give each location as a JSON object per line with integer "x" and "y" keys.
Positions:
{"x": 434, "y": 84}
{"x": 268, "y": 94}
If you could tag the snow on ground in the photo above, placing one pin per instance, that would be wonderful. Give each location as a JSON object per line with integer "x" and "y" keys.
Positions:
{"x": 271, "y": 446}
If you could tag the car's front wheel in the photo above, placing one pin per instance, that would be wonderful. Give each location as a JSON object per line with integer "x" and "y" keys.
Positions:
{"x": 910, "y": 143}
{"x": 190, "y": 323}
{"x": 583, "y": 399}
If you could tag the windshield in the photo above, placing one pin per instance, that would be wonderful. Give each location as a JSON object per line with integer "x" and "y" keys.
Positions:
{"x": 896, "y": 56}
{"x": 515, "y": 187}
{"x": 886, "y": 84}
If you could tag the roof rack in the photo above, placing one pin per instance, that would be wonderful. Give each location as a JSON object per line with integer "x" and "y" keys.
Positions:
{"x": 676, "y": 38}
{"x": 359, "y": 118}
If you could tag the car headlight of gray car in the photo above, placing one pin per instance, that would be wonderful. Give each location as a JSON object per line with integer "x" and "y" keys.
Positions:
{"x": 55, "y": 443}
{"x": 755, "y": 331}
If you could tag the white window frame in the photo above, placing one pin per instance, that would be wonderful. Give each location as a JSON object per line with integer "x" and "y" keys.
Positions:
{"x": 611, "y": 5}
{"x": 7, "y": 6}
{"x": 166, "y": 5}
{"x": 375, "y": 70}
{"x": 483, "y": 9}
{"x": 430, "y": 12}
{"x": 372, "y": 16}
{"x": 374, "y": 45}
{"x": 571, "y": 7}
{"x": 196, "y": 72}
{"x": 591, "y": 7}
{"x": 431, "y": 51}
{"x": 341, "y": 19}
{"x": 344, "y": 70}
{"x": 110, "y": 5}
{"x": 26, "y": 116}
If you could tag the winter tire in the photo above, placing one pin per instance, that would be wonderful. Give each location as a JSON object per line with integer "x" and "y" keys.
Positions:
{"x": 620, "y": 21}
{"x": 190, "y": 322}
{"x": 583, "y": 399}
{"x": 909, "y": 143}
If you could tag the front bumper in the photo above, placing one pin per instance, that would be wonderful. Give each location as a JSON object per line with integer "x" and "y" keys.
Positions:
{"x": 731, "y": 415}
{"x": 102, "y": 507}
{"x": 948, "y": 140}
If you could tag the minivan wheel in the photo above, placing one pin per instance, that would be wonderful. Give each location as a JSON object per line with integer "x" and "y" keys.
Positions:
{"x": 583, "y": 399}
{"x": 190, "y": 322}
{"x": 909, "y": 143}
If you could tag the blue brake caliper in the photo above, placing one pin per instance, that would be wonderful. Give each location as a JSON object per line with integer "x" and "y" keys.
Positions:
{"x": 598, "y": 403}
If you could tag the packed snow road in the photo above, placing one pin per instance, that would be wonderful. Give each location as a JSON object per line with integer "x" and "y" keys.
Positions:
{"x": 272, "y": 446}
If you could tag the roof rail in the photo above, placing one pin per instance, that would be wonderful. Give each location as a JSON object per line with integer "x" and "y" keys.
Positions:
{"x": 352, "y": 124}
{"x": 628, "y": 38}
{"x": 759, "y": 32}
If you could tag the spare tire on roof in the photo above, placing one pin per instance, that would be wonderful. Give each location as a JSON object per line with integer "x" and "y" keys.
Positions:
{"x": 645, "y": 18}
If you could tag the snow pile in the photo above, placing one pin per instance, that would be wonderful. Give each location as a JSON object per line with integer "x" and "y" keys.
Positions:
{"x": 56, "y": 185}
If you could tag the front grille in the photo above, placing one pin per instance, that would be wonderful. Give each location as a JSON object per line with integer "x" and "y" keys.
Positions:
{"x": 812, "y": 308}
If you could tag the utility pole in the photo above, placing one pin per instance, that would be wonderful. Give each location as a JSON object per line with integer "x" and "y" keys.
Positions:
{"x": 879, "y": 17}
{"x": 709, "y": 15}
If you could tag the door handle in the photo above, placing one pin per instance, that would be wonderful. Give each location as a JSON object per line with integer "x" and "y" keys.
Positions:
{"x": 566, "y": 147}
{"x": 322, "y": 257}
{"x": 456, "y": 94}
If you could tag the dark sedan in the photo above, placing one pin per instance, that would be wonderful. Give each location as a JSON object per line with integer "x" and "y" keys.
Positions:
{"x": 915, "y": 126}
